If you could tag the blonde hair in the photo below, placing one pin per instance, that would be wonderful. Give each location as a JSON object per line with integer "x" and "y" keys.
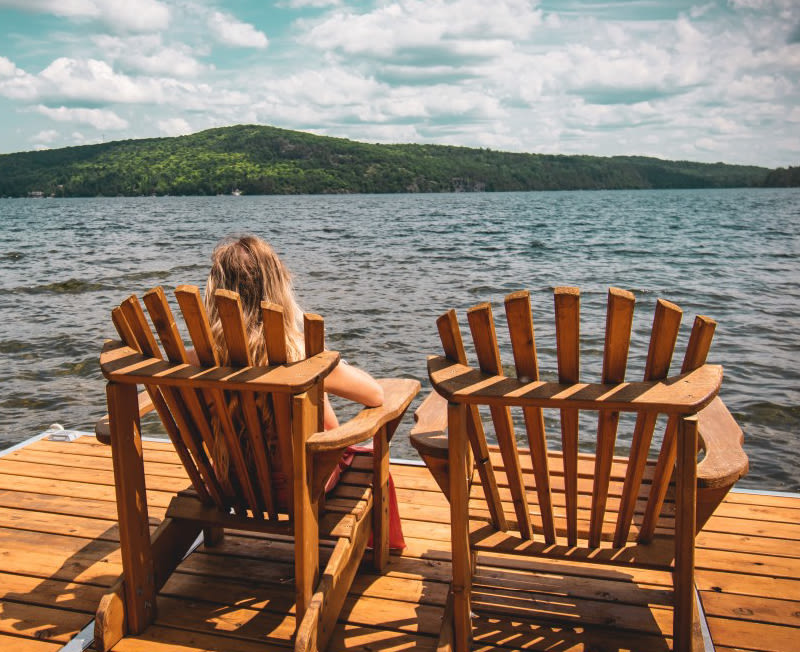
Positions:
{"x": 249, "y": 266}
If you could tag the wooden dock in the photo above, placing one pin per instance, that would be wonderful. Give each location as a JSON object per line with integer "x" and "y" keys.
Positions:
{"x": 59, "y": 553}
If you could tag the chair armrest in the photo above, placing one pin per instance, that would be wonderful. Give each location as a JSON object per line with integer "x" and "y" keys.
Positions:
{"x": 431, "y": 415}
{"x": 429, "y": 434}
{"x": 122, "y": 364}
{"x": 102, "y": 429}
{"x": 721, "y": 439}
{"x": 397, "y": 395}
{"x": 687, "y": 393}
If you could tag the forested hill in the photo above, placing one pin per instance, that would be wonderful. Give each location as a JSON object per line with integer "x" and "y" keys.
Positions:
{"x": 267, "y": 160}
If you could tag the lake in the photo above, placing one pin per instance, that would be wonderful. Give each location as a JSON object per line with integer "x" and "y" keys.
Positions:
{"x": 381, "y": 268}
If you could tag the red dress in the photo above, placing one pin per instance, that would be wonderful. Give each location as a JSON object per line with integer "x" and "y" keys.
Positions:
{"x": 396, "y": 540}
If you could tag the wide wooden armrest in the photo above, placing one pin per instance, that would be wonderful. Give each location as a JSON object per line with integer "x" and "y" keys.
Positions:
{"x": 397, "y": 395}
{"x": 431, "y": 415}
{"x": 721, "y": 439}
{"x": 429, "y": 434}
{"x": 122, "y": 364}
{"x": 684, "y": 394}
{"x": 102, "y": 429}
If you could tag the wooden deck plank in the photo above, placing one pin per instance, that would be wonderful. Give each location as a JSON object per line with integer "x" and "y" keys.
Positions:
{"x": 349, "y": 638}
{"x": 38, "y": 622}
{"x": 19, "y": 467}
{"x": 59, "y": 550}
{"x": 56, "y": 487}
{"x": 19, "y": 644}
{"x": 749, "y": 635}
{"x": 75, "y": 460}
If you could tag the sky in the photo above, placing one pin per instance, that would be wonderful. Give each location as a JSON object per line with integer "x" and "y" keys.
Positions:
{"x": 700, "y": 81}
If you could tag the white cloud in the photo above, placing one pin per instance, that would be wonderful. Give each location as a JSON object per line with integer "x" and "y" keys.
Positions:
{"x": 149, "y": 55}
{"x": 103, "y": 119}
{"x": 93, "y": 81}
{"x": 406, "y": 25}
{"x": 15, "y": 83}
{"x": 174, "y": 127}
{"x": 130, "y": 15}
{"x": 45, "y": 136}
{"x": 231, "y": 31}
{"x": 7, "y": 68}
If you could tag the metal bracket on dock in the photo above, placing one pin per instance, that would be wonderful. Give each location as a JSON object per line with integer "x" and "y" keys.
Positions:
{"x": 64, "y": 435}
{"x": 81, "y": 641}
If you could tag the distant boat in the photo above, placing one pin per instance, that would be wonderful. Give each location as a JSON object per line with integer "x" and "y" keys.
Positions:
{"x": 236, "y": 192}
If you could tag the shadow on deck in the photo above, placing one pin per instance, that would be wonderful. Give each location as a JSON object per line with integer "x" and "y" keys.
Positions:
{"x": 59, "y": 554}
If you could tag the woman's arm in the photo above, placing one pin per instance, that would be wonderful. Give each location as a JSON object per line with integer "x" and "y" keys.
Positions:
{"x": 355, "y": 385}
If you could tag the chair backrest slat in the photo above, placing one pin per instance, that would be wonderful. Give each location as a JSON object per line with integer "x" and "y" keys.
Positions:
{"x": 275, "y": 335}
{"x": 694, "y": 358}
{"x": 567, "y": 309}
{"x": 615, "y": 476}
{"x": 274, "y": 332}
{"x": 619, "y": 319}
{"x": 196, "y": 320}
{"x": 523, "y": 345}
{"x": 664, "y": 335}
{"x": 313, "y": 334}
{"x": 450, "y": 335}
{"x": 257, "y": 497}
{"x": 195, "y": 417}
{"x": 314, "y": 342}
{"x": 481, "y": 324}
{"x": 235, "y": 445}
{"x": 165, "y": 400}
{"x": 123, "y": 328}
{"x": 453, "y": 345}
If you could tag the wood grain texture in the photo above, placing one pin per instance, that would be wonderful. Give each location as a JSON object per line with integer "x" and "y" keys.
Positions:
{"x": 523, "y": 344}
{"x": 619, "y": 319}
{"x": 484, "y": 337}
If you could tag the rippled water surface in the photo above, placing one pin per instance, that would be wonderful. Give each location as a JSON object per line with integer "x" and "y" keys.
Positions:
{"x": 381, "y": 268}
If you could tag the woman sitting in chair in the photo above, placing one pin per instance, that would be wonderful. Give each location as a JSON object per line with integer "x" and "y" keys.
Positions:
{"x": 249, "y": 266}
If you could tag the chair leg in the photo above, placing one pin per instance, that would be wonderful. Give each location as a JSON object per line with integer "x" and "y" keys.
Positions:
{"x": 380, "y": 498}
{"x": 134, "y": 524}
{"x": 685, "y": 517}
{"x": 305, "y": 409}
{"x": 213, "y": 536}
{"x": 458, "y": 452}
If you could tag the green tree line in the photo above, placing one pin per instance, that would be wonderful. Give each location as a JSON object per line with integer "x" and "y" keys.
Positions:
{"x": 266, "y": 160}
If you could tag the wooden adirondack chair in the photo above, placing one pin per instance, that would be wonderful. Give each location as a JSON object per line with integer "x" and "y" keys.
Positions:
{"x": 197, "y": 404}
{"x": 592, "y": 518}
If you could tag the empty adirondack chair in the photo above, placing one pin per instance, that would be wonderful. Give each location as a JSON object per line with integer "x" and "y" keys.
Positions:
{"x": 611, "y": 516}
{"x": 197, "y": 403}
